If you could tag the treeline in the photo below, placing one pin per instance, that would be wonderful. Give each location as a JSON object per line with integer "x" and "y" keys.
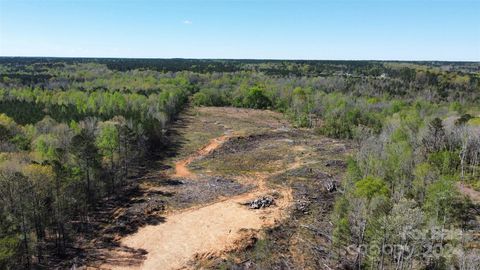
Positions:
{"x": 64, "y": 148}
{"x": 341, "y": 105}
{"x": 41, "y": 67}
{"x": 51, "y": 176}
{"x": 153, "y": 110}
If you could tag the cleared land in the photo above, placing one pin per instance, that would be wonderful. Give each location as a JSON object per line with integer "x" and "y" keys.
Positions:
{"x": 198, "y": 203}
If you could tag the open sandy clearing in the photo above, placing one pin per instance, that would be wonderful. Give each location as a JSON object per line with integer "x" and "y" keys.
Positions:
{"x": 210, "y": 229}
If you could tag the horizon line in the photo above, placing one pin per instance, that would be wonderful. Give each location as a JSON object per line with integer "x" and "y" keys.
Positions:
{"x": 256, "y": 59}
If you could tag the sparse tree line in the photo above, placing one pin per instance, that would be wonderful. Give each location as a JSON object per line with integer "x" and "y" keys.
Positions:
{"x": 53, "y": 173}
{"x": 70, "y": 149}
{"x": 72, "y": 132}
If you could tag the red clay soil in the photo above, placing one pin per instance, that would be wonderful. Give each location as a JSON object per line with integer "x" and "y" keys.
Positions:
{"x": 207, "y": 229}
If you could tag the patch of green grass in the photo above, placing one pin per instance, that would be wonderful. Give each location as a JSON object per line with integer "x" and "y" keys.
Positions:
{"x": 474, "y": 121}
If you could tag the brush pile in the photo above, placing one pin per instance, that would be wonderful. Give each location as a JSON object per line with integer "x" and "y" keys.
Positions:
{"x": 262, "y": 202}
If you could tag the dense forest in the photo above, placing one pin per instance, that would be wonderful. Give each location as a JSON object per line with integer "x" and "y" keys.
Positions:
{"x": 74, "y": 131}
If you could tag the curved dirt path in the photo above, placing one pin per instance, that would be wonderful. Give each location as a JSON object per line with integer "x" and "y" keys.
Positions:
{"x": 208, "y": 229}
{"x": 181, "y": 167}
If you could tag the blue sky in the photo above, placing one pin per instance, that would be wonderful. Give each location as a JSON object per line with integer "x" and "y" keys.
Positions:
{"x": 341, "y": 29}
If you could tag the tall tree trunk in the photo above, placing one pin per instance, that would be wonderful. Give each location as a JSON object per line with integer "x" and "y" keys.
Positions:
{"x": 25, "y": 238}
{"x": 358, "y": 260}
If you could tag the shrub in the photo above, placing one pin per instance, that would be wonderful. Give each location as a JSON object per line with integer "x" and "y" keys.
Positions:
{"x": 256, "y": 99}
{"x": 370, "y": 187}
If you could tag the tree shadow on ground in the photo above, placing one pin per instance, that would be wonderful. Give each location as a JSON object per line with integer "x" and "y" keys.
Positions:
{"x": 131, "y": 208}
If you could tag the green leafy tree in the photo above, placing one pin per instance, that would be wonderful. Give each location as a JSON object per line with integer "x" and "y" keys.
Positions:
{"x": 440, "y": 200}
{"x": 108, "y": 143}
{"x": 257, "y": 99}
{"x": 370, "y": 187}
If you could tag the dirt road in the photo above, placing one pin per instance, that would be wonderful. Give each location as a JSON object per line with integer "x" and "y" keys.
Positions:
{"x": 181, "y": 167}
{"x": 208, "y": 229}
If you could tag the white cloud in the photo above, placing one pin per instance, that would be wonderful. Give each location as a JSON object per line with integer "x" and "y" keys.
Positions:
{"x": 187, "y": 22}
